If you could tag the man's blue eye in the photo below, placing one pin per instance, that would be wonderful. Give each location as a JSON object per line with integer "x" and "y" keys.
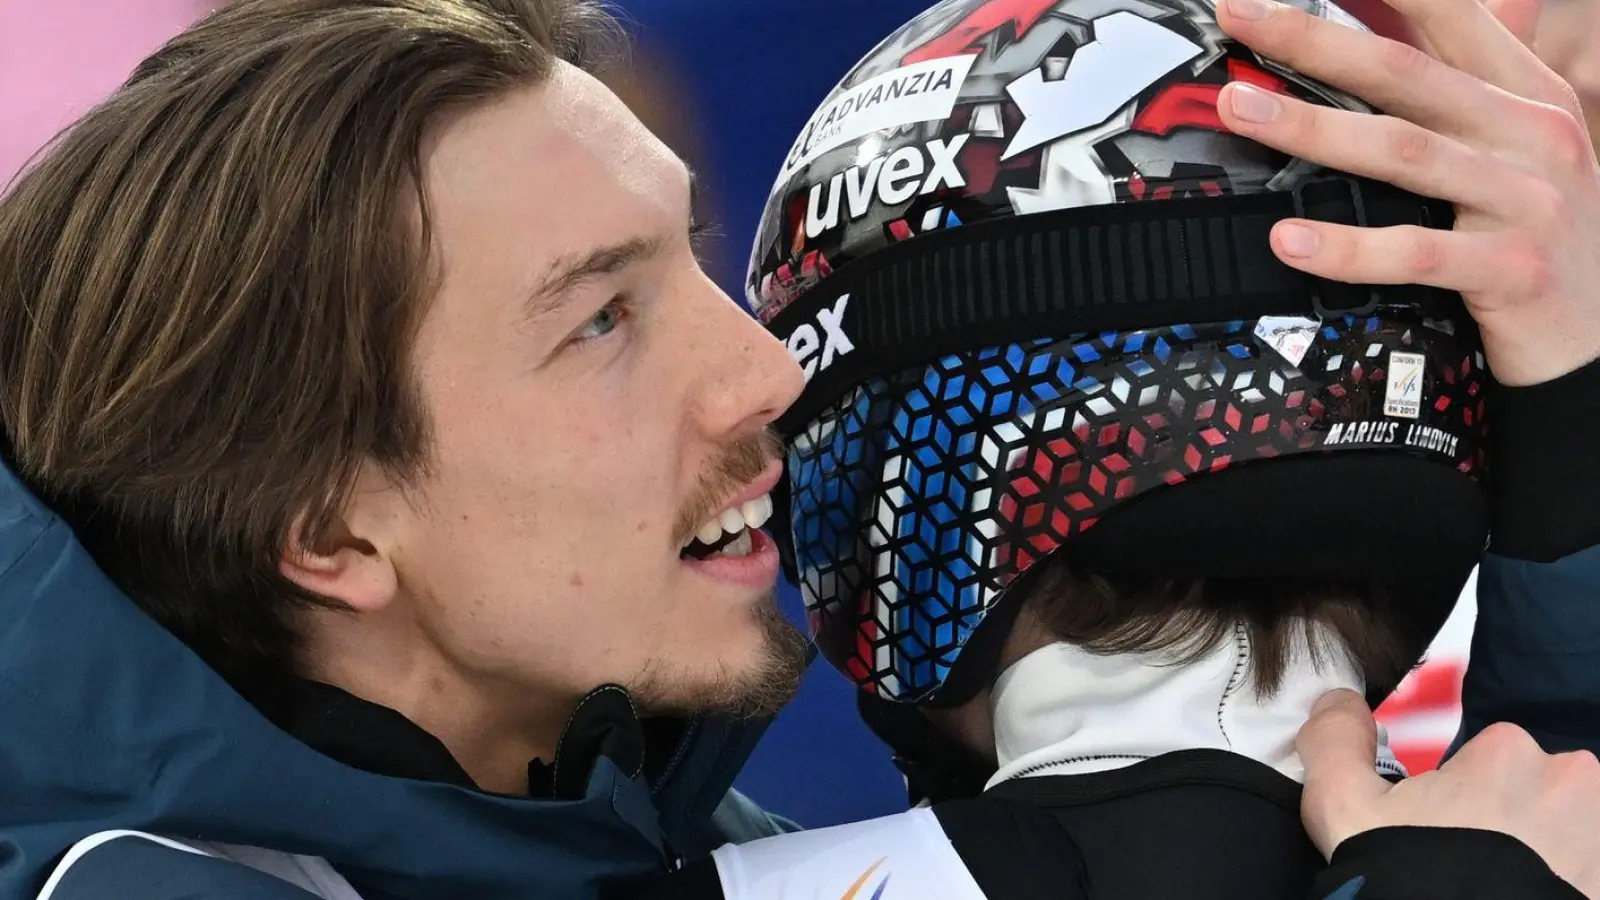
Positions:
{"x": 604, "y": 322}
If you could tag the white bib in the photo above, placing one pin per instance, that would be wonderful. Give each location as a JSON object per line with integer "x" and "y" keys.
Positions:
{"x": 900, "y": 857}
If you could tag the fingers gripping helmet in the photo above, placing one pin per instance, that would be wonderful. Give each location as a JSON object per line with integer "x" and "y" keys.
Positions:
{"x": 1026, "y": 271}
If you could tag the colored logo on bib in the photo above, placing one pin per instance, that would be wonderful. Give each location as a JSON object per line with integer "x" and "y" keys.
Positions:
{"x": 877, "y": 892}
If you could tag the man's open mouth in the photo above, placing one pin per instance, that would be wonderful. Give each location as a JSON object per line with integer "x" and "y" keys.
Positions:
{"x": 728, "y": 532}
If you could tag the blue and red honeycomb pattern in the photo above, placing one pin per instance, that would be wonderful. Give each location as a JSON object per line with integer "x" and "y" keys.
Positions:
{"x": 918, "y": 498}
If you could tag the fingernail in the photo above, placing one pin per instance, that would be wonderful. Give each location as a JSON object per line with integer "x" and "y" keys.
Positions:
{"x": 1254, "y": 10}
{"x": 1253, "y": 104}
{"x": 1329, "y": 700}
{"x": 1297, "y": 240}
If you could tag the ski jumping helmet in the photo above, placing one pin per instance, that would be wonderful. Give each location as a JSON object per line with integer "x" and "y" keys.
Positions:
{"x": 1026, "y": 271}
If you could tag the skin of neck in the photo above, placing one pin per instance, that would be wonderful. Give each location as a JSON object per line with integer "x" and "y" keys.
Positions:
{"x": 493, "y": 728}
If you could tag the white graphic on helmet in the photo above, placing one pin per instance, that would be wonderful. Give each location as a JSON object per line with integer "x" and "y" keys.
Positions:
{"x": 806, "y": 341}
{"x": 1128, "y": 55}
{"x": 1071, "y": 173}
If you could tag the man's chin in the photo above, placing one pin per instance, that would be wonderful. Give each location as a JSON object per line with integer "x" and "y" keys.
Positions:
{"x": 755, "y": 687}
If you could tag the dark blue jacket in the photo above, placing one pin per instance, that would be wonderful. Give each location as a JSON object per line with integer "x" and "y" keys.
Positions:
{"x": 1536, "y": 648}
{"x": 107, "y": 722}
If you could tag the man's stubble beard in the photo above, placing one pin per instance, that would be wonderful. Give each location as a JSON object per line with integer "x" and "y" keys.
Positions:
{"x": 756, "y": 692}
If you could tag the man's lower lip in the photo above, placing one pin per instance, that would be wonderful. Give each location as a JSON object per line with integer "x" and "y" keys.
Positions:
{"x": 758, "y": 568}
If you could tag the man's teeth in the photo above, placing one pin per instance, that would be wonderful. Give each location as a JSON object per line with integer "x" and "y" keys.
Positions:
{"x": 709, "y": 533}
{"x": 735, "y": 520}
{"x": 739, "y": 546}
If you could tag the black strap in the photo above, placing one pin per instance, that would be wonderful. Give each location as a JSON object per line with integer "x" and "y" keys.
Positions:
{"x": 1016, "y": 852}
{"x": 697, "y": 880}
{"x": 1081, "y": 271}
{"x": 1217, "y": 768}
{"x": 936, "y": 766}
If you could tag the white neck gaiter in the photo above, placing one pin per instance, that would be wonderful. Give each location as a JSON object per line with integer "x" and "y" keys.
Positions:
{"x": 1063, "y": 711}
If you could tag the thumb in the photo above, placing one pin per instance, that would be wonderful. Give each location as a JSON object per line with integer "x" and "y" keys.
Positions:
{"x": 1339, "y": 746}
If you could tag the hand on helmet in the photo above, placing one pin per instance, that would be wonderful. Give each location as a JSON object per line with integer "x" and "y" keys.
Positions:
{"x": 1477, "y": 120}
{"x": 1499, "y": 781}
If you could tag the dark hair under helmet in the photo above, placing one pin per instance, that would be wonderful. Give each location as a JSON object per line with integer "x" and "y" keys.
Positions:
{"x": 1026, "y": 271}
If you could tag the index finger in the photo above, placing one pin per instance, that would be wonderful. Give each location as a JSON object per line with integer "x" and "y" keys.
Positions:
{"x": 1396, "y": 77}
{"x": 1467, "y": 36}
{"x": 1520, "y": 17}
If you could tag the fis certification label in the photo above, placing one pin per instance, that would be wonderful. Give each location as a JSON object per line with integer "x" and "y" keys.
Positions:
{"x": 1403, "y": 396}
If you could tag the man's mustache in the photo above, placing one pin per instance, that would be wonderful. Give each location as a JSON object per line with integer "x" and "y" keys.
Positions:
{"x": 742, "y": 463}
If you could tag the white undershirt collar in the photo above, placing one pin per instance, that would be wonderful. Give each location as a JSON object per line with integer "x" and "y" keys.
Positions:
{"x": 1063, "y": 711}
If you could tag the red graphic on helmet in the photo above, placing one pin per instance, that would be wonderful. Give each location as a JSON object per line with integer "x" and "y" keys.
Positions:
{"x": 1021, "y": 15}
{"x": 1195, "y": 105}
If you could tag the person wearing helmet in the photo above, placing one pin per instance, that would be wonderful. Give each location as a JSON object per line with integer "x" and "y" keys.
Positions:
{"x": 1091, "y": 484}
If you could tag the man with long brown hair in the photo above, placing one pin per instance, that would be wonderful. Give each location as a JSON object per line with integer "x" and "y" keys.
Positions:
{"x": 364, "y": 346}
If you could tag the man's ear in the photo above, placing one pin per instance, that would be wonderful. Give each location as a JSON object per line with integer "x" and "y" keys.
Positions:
{"x": 350, "y": 561}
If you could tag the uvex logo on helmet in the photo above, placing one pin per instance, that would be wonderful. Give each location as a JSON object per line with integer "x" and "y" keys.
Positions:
{"x": 815, "y": 347}
{"x": 888, "y": 179}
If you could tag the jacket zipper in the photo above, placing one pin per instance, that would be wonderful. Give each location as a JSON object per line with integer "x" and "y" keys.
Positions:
{"x": 675, "y": 860}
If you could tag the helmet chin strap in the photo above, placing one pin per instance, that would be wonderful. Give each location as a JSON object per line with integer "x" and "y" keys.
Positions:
{"x": 936, "y": 766}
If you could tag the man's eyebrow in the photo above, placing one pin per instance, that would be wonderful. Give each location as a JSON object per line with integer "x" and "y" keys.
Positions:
{"x": 569, "y": 271}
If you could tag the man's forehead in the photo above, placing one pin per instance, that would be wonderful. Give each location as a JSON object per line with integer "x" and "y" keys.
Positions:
{"x": 591, "y": 115}
{"x": 564, "y": 157}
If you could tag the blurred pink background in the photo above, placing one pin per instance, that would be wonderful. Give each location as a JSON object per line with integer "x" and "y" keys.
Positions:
{"x": 58, "y": 57}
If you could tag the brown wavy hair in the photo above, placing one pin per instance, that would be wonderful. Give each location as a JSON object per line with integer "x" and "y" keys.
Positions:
{"x": 1187, "y": 618}
{"x": 210, "y": 284}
